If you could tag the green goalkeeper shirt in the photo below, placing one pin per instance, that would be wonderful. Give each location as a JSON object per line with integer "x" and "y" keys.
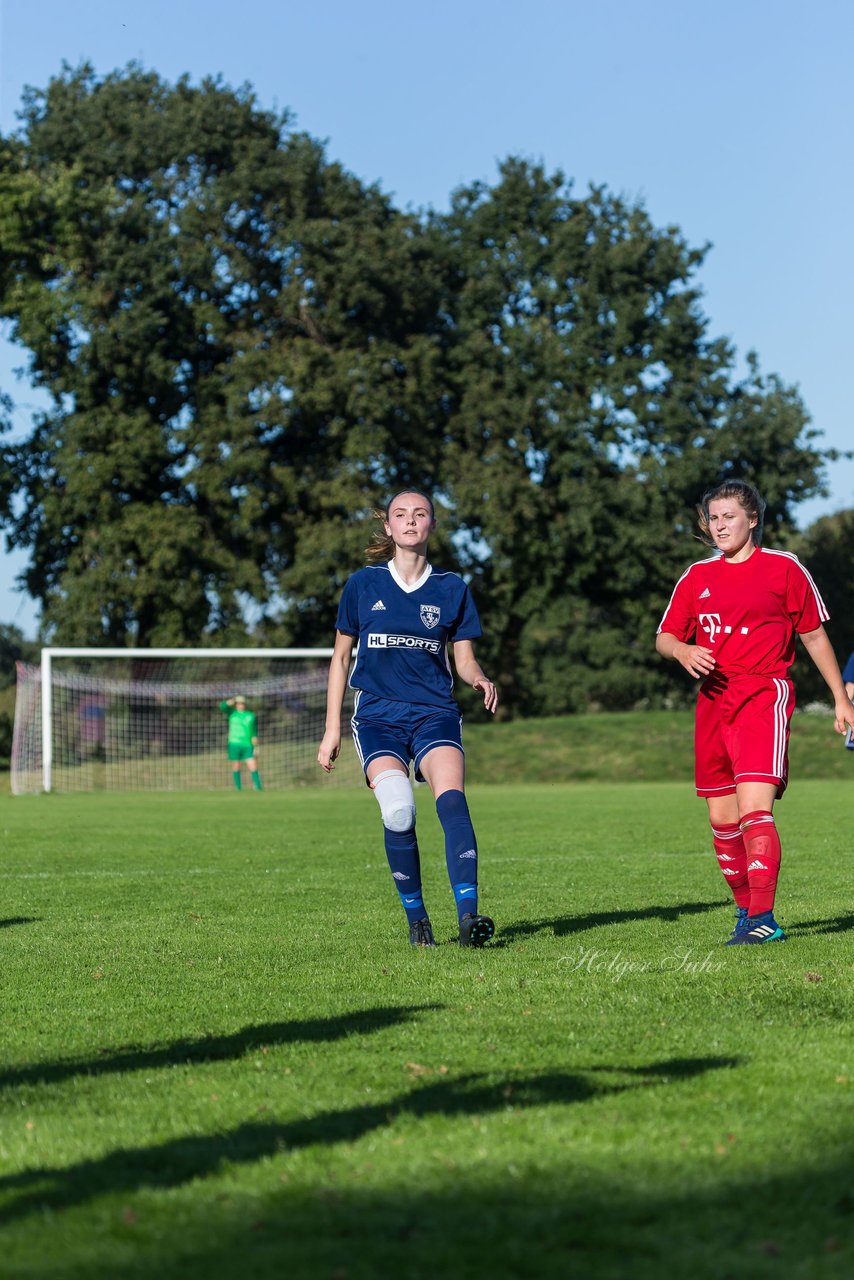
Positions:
{"x": 242, "y": 725}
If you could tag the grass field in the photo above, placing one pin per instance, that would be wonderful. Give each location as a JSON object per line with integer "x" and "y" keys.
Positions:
{"x": 222, "y": 1058}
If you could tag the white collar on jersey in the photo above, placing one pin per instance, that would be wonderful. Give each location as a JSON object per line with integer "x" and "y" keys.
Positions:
{"x": 409, "y": 586}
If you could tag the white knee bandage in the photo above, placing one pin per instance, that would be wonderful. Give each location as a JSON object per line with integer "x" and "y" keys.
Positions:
{"x": 393, "y": 791}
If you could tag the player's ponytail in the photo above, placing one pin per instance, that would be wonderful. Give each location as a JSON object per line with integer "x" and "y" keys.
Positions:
{"x": 749, "y": 499}
{"x": 381, "y": 547}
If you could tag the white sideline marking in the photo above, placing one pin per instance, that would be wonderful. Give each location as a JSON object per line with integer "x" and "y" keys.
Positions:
{"x": 122, "y": 875}
{"x": 281, "y": 870}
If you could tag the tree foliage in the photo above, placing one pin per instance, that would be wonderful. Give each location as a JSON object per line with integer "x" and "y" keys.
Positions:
{"x": 590, "y": 413}
{"x": 14, "y": 647}
{"x": 246, "y": 349}
{"x": 218, "y": 316}
{"x": 827, "y": 550}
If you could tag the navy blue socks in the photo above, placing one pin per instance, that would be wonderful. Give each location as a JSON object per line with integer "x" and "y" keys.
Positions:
{"x": 401, "y": 848}
{"x": 460, "y": 849}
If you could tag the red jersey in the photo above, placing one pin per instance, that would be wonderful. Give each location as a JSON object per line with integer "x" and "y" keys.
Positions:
{"x": 747, "y": 614}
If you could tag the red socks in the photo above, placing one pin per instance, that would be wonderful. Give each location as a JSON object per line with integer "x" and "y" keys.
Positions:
{"x": 763, "y": 859}
{"x": 732, "y": 858}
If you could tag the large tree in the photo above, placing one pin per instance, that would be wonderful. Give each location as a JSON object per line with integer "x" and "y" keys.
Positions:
{"x": 590, "y": 412}
{"x": 238, "y": 339}
{"x": 245, "y": 348}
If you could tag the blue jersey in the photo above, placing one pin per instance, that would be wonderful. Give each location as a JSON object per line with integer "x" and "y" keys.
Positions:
{"x": 404, "y": 631}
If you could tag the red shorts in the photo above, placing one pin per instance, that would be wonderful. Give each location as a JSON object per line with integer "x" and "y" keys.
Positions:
{"x": 741, "y": 733}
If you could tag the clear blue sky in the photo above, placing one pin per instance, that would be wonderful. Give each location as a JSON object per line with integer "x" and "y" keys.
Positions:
{"x": 732, "y": 120}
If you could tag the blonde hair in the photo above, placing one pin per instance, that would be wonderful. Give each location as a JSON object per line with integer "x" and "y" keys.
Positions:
{"x": 381, "y": 547}
{"x": 749, "y": 499}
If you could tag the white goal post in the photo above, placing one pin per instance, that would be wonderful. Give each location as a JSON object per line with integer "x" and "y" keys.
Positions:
{"x": 131, "y": 719}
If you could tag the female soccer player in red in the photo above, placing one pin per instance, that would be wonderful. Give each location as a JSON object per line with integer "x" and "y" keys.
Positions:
{"x": 731, "y": 622}
{"x": 405, "y": 614}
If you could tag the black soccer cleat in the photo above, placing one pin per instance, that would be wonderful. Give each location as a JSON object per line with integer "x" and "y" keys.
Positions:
{"x": 475, "y": 930}
{"x": 421, "y": 933}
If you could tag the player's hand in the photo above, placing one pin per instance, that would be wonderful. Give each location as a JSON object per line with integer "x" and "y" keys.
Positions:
{"x": 328, "y": 751}
{"x": 843, "y": 710}
{"x": 489, "y": 691}
{"x": 696, "y": 660}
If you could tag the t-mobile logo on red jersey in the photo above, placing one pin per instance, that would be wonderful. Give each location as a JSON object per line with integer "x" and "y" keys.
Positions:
{"x": 711, "y": 624}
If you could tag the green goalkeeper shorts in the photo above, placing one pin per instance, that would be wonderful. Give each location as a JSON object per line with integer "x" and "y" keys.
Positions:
{"x": 240, "y": 751}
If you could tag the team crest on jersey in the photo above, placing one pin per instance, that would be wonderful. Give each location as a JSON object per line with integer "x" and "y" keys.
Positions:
{"x": 430, "y": 615}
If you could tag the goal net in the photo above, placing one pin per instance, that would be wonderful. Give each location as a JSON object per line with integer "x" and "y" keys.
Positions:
{"x": 151, "y": 720}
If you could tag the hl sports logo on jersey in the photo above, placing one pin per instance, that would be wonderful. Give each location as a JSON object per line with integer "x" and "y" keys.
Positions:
{"x": 381, "y": 640}
{"x": 711, "y": 624}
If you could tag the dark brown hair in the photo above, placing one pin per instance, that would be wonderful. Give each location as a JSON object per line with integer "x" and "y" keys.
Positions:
{"x": 747, "y": 496}
{"x": 381, "y": 546}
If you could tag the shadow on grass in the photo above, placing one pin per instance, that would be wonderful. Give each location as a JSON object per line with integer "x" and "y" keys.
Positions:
{"x": 674, "y": 1068}
{"x": 584, "y": 1224}
{"x": 213, "y": 1048}
{"x": 838, "y": 924}
{"x": 184, "y": 1159}
{"x": 562, "y": 926}
{"x": 13, "y": 920}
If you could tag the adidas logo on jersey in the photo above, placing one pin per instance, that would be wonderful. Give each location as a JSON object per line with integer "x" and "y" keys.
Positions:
{"x": 757, "y": 866}
{"x": 378, "y": 606}
{"x": 704, "y": 595}
{"x": 724, "y": 857}
{"x": 728, "y": 871}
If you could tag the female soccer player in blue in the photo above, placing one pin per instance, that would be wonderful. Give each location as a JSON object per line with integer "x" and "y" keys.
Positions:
{"x": 404, "y": 614}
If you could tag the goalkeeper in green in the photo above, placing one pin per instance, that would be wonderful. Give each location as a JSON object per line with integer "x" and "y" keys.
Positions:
{"x": 242, "y": 739}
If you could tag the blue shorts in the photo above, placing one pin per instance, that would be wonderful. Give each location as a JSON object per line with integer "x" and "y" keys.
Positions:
{"x": 405, "y": 730}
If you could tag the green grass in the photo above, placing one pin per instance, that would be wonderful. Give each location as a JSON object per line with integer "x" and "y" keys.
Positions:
{"x": 221, "y": 1057}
